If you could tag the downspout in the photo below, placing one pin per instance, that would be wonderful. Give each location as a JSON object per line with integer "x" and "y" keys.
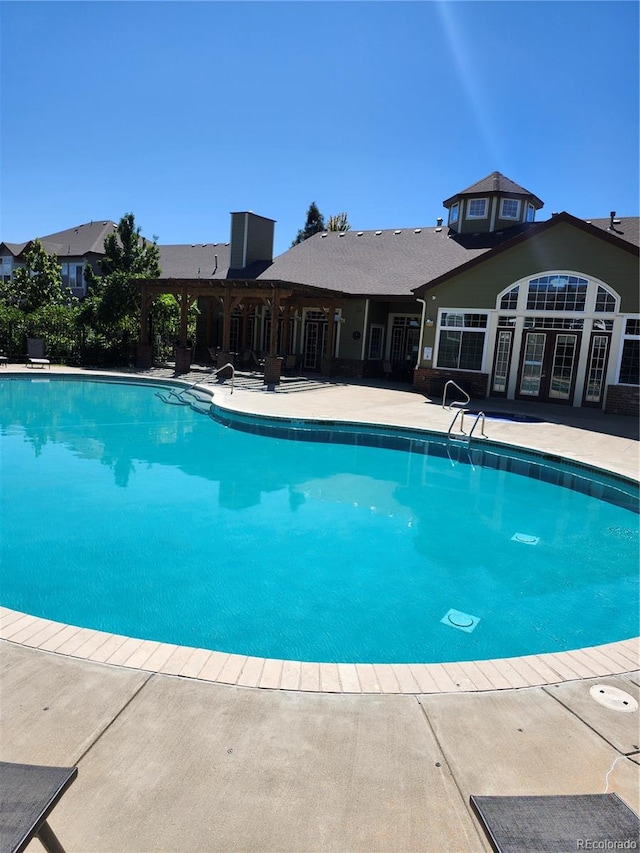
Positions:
{"x": 364, "y": 329}
{"x": 424, "y": 311}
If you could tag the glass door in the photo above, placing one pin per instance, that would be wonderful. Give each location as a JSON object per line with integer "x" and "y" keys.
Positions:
{"x": 502, "y": 363}
{"x": 531, "y": 369}
{"x": 315, "y": 339}
{"x": 562, "y": 367}
{"x": 596, "y": 370}
{"x": 548, "y": 366}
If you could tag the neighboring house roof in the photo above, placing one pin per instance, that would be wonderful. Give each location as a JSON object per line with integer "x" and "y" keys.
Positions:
{"x": 195, "y": 261}
{"x": 75, "y": 242}
{"x": 82, "y": 240}
{"x": 371, "y": 263}
{"x": 496, "y": 182}
{"x": 14, "y": 248}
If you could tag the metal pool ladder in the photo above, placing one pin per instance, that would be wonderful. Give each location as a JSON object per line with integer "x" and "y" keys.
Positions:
{"x": 462, "y": 436}
{"x": 462, "y": 440}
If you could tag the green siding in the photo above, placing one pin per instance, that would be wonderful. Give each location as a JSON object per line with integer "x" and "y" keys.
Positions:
{"x": 353, "y": 313}
{"x": 560, "y": 248}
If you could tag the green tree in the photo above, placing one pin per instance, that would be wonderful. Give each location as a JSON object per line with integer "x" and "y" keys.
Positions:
{"x": 314, "y": 224}
{"x": 37, "y": 283}
{"x": 338, "y": 222}
{"x": 113, "y": 299}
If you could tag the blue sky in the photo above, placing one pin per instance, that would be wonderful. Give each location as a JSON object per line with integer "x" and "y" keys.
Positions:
{"x": 182, "y": 112}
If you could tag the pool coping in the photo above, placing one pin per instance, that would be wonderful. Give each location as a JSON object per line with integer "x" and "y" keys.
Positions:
{"x": 616, "y": 658}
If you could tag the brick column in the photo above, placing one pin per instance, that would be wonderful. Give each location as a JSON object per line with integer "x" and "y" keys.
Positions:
{"x": 183, "y": 359}
{"x": 272, "y": 370}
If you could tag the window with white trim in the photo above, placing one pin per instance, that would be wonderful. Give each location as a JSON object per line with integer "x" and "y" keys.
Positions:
{"x": 605, "y": 301}
{"x": 509, "y": 300}
{"x": 564, "y": 292}
{"x": 477, "y": 208}
{"x": 630, "y": 361}
{"x": 557, "y": 293}
{"x": 454, "y": 212}
{"x": 553, "y": 323}
{"x": 531, "y": 212}
{"x": 461, "y": 340}
{"x": 510, "y": 208}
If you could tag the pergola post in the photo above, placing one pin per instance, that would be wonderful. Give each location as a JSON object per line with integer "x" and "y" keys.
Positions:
{"x": 182, "y": 349}
{"x": 327, "y": 359}
{"x": 144, "y": 347}
{"x": 272, "y": 363}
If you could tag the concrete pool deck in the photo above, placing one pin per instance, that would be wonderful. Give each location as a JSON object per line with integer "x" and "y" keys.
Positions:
{"x": 378, "y": 760}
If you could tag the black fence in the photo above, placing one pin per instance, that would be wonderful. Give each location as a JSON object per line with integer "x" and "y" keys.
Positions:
{"x": 64, "y": 344}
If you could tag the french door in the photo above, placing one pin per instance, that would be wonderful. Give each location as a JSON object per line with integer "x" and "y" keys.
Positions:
{"x": 598, "y": 359}
{"x": 548, "y": 365}
{"x": 315, "y": 340}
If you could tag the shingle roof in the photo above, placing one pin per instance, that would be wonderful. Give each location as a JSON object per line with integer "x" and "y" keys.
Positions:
{"x": 385, "y": 263}
{"x": 536, "y": 228}
{"x": 81, "y": 240}
{"x": 14, "y": 248}
{"x": 394, "y": 263}
{"x": 195, "y": 261}
{"x": 371, "y": 262}
{"x": 628, "y": 228}
{"x": 496, "y": 182}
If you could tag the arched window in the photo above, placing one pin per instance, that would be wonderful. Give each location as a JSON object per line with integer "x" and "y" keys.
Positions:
{"x": 509, "y": 300}
{"x": 605, "y": 300}
{"x": 557, "y": 293}
{"x": 564, "y": 292}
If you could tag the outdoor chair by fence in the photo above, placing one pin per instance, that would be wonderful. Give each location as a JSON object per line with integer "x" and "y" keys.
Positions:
{"x": 558, "y": 823}
{"x": 35, "y": 353}
{"x": 28, "y": 795}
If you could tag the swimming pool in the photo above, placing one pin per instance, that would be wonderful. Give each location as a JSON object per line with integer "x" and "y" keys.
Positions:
{"x": 306, "y": 541}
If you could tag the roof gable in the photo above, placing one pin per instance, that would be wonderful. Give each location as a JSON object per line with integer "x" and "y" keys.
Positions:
{"x": 535, "y": 230}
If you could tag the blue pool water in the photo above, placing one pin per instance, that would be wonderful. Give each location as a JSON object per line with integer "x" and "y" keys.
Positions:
{"x": 122, "y": 513}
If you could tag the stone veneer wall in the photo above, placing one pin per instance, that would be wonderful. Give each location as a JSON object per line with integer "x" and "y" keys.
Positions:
{"x": 432, "y": 380}
{"x": 623, "y": 400}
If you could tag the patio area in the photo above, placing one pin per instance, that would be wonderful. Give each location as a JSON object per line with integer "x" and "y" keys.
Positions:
{"x": 168, "y": 762}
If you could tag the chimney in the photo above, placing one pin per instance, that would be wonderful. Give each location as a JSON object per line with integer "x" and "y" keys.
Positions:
{"x": 251, "y": 239}
{"x": 439, "y": 222}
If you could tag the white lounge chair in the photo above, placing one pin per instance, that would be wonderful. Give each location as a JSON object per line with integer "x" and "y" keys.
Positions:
{"x": 35, "y": 353}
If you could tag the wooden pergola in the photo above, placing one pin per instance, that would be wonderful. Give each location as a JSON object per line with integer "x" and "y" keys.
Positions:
{"x": 282, "y": 298}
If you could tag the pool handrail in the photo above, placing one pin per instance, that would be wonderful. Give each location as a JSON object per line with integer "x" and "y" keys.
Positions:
{"x": 194, "y": 385}
{"x": 475, "y": 424}
{"x": 462, "y": 435}
{"x": 454, "y": 402}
